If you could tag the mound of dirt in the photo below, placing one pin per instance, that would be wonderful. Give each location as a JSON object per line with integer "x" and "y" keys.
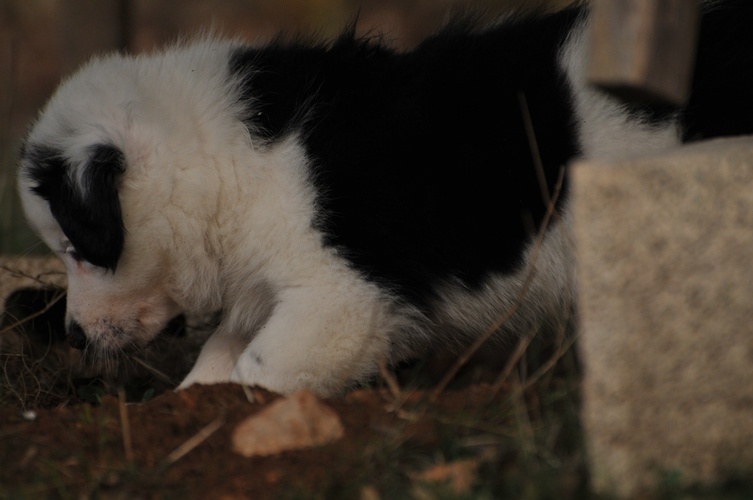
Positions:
{"x": 180, "y": 445}
{"x": 68, "y": 429}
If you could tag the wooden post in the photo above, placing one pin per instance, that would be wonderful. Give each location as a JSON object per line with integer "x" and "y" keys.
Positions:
{"x": 644, "y": 50}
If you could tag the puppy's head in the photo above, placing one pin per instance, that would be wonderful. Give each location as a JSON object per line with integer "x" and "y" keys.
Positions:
{"x": 118, "y": 284}
{"x": 113, "y": 178}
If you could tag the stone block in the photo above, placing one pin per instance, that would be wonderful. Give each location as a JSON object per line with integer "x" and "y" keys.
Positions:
{"x": 665, "y": 252}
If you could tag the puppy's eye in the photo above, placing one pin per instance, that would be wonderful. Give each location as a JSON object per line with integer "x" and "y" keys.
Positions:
{"x": 69, "y": 250}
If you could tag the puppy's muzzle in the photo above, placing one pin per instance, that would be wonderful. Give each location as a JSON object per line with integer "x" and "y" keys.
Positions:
{"x": 76, "y": 336}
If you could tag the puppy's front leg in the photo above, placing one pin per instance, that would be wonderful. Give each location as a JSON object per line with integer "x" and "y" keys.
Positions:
{"x": 318, "y": 338}
{"x": 218, "y": 357}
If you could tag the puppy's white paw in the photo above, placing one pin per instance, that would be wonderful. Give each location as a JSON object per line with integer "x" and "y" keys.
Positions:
{"x": 289, "y": 377}
{"x": 216, "y": 361}
{"x": 321, "y": 340}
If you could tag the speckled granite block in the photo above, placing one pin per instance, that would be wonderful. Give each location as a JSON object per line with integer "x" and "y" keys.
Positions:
{"x": 665, "y": 249}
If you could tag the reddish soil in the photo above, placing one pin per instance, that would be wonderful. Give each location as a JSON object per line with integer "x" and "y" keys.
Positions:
{"x": 80, "y": 450}
{"x": 65, "y": 434}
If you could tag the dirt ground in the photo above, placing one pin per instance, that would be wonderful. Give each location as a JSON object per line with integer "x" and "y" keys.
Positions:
{"x": 68, "y": 437}
{"x": 474, "y": 441}
{"x": 502, "y": 429}
{"x": 79, "y": 450}
{"x": 468, "y": 442}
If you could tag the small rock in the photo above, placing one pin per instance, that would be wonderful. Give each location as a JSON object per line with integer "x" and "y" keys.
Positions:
{"x": 29, "y": 415}
{"x": 460, "y": 475}
{"x": 370, "y": 493}
{"x": 297, "y": 422}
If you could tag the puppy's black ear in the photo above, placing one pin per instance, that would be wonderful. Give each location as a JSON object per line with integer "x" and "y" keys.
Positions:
{"x": 85, "y": 203}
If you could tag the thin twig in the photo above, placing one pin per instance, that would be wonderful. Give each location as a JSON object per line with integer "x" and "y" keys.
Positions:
{"x": 523, "y": 418}
{"x": 546, "y": 367}
{"x": 15, "y": 273}
{"x": 520, "y": 349}
{"x": 28, "y": 318}
{"x": 125, "y": 425}
{"x": 563, "y": 349}
{"x": 534, "y": 147}
{"x": 160, "y": 375}
{"x": 194, "y": 441}
{"x": 468, "y": 354}
{"x": 250, "y": 397}
{"x": 390, "y": 380}
{"x": 550, "y": 202}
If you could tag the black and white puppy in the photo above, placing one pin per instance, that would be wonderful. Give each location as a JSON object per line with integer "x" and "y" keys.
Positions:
{"x": 343, "y": 204}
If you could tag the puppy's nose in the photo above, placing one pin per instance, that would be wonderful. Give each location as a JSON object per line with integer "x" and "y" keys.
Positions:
{"x": 76, "y": 335}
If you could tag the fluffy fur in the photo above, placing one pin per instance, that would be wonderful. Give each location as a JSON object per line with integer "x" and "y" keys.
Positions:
{"x": 342, "y": 204}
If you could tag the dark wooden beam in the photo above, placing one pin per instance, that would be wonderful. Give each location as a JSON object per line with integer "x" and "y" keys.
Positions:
{"x": 643, "y": 50}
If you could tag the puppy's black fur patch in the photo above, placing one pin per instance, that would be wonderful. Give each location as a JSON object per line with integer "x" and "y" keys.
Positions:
{"x": 421, "y": 159}
{"x": 89, "y": 215}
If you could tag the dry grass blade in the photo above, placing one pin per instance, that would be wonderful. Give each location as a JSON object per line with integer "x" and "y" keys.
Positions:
{"x": 481, "y": 340}
{"x": 534, "y": 147}
{"x": 125, "y": 425}
{"x": 550, "y": 200}
{"x": 551, "y": 362}
{"x": 25, "y": 319}
{"x": 522, "y": 417}
{"x": 38, "y": 278}
{"x": 250, "y": 397}
{"x": 390, "y": 380}
{"x": 520, "y": 350}
{"x": 157, "y": 373}
{"x": 536, "y": 376}
{"x": 194, "y": 441}
{"x": 384, "y": 372}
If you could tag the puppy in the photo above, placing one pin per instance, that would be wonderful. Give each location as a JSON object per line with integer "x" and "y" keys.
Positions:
{"x": 342, "y": 204}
